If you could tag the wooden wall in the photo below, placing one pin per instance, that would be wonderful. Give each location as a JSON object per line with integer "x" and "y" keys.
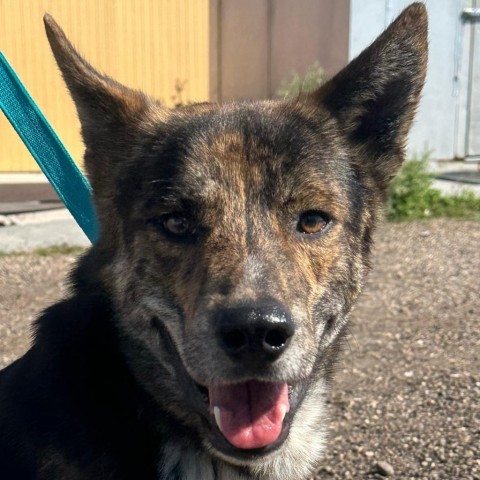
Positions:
{"x": 256, "y": 44}
{"x": 147, "y": 44}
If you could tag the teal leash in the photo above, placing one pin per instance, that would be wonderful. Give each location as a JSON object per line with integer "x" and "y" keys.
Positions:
{"x": 47, "y": 149}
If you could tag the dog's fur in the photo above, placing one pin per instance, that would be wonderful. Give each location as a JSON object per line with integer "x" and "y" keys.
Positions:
{"x": 112, "y": 386}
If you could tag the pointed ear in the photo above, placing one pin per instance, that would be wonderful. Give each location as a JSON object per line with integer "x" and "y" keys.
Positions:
{"x": 375, "y": 97}
{"x": 108, "y": 111}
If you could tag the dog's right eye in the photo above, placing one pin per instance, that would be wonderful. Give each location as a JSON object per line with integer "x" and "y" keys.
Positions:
{"x": 175, "y": 225}
{"x": 178, "y": 225}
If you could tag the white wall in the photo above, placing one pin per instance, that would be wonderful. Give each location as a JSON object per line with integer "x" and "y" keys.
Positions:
{"x": 439, "y": 121}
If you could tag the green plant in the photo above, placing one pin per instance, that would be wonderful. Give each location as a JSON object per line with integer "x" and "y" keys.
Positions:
{"x": 411, "y": 196}
{"x": 177, "y": 98}
{"x": 61, "y": 249}
{"x": 314, "y": 77}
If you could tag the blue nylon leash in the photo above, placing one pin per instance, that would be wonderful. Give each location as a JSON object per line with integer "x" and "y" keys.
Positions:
{"x": 47, "y": 149}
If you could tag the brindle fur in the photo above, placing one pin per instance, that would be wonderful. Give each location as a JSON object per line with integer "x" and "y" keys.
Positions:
{"x": 106, "y": 389}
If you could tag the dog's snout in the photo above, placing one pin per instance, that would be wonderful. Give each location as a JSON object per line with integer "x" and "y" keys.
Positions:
{"x": 260, "y": 332}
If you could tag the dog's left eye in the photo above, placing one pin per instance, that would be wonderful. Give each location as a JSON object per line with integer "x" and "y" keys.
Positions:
{"x": 312, "y": 222}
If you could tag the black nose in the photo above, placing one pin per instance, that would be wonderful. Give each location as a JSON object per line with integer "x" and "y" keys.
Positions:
{"x": 254, "y": 332}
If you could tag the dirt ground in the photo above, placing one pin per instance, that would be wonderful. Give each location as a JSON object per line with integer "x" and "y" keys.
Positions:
{"x": 406, "y": 399}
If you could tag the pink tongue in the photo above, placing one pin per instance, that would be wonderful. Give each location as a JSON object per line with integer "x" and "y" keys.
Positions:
{"x": 250, "y": 414}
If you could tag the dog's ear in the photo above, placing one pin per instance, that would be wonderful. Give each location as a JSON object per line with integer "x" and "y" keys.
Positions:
{"x": 109, "y": 112}
{"x": 374, "y": 98}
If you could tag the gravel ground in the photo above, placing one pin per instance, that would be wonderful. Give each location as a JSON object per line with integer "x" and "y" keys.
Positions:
{"x": 406, "y": 399}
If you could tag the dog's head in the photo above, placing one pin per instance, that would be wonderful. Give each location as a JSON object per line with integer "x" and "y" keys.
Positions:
{"x": 234, "y": 238}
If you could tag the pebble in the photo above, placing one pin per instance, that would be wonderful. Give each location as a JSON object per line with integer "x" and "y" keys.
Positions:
{"x": 384, "y": 469}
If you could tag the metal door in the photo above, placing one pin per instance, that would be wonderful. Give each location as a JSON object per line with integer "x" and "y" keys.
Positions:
{"x": 472, "y": 133}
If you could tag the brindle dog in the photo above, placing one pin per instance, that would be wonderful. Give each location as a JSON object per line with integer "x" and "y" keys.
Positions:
{"x": 201, "y": 329}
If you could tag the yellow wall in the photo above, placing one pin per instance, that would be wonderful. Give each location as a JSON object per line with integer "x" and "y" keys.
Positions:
{"x": 146, "y": 44}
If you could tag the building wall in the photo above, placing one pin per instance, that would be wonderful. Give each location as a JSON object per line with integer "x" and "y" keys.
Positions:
{"x": 218, "y": 50}
{"x": 257, "y": 44}
{"x": 440, "y": 123}
{"x": 468, "y": 131}
{"x": 147, "y": 44}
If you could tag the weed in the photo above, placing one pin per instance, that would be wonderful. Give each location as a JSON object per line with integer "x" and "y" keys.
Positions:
{"x": 314, "y": 77}
{"x": 412, "y": 197}
{"x": 62, "y": 249}
{"x": 178, "y": 98}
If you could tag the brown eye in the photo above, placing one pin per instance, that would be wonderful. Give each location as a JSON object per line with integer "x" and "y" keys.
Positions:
{"x": 178, "y": 225}
{"x": 312, "y": 222}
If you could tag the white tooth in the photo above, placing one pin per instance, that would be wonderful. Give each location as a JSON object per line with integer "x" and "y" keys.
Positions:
{"x": 216, "y": 413}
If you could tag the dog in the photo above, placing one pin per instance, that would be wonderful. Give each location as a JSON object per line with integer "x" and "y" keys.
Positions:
{"x": 200, "y": 335}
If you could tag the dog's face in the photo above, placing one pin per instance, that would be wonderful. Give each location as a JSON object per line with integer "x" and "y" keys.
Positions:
{"x": 235, "y": 238}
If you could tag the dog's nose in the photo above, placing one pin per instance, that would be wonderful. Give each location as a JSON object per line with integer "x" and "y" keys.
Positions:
{"x": 260, "y": 332}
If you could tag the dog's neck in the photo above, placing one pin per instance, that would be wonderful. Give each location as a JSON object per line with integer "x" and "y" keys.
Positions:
{"x": 185, "y": 462}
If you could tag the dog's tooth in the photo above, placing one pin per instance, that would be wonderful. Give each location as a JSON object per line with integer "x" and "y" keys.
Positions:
{"x": 216, "y": 413}
{"x": 283, "y": 409}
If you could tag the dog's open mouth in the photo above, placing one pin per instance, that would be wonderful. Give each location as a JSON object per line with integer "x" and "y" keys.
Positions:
{"x": 250, "y": 414}
{"x": 251, "y": 417}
